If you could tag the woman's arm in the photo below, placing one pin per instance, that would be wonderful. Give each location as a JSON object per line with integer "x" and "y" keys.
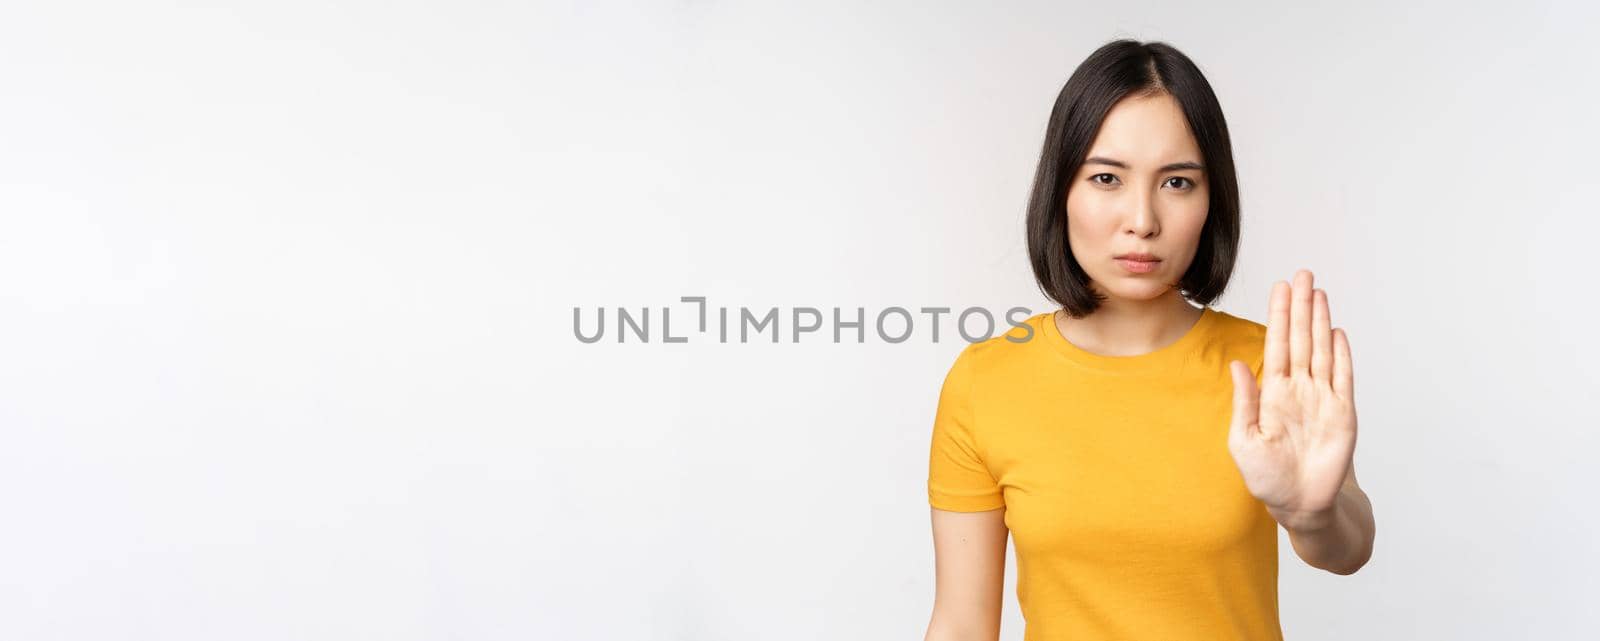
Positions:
{"x": 1293, "y": 433}
{"x": 969, "y": 550}
{"x": 1342, "y": 542}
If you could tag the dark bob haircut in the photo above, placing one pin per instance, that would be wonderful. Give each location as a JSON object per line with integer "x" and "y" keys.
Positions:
{"x": 1112, "y": 72}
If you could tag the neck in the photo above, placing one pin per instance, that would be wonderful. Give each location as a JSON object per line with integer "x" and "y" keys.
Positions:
{"x": 1126, "y": 327}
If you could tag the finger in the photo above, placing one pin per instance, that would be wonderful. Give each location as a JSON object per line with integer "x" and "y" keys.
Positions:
{"x": 1276, "y": 361}
{"x": 1344, "y": 379}
{"x": 1246, "y": 401}
{"x": 1321, "y": 339}
{"x": 1300, "y": 324}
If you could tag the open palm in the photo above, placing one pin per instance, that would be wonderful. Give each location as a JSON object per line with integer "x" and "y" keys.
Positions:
{"x": 1293, "y": 439}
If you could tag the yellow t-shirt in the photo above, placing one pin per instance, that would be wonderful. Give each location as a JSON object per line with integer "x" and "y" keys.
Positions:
{"x": 1128, "y": 515}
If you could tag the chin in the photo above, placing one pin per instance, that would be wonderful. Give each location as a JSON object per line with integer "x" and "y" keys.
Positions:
{"x": 1134, "y": 288}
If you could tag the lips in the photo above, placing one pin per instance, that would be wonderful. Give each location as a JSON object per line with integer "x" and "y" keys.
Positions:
{"x": 1138, "y": 266}
{"x": 1138, "y": 262}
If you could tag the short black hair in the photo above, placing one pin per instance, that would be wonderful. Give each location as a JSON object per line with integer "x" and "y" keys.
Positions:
{"x": 1114, "y": 71}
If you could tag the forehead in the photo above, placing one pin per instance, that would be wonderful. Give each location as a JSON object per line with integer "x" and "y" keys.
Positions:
{"x": 1146, "y": 130}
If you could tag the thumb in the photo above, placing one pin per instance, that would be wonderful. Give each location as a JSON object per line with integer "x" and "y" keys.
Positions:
{"x": 1246, "y": 401}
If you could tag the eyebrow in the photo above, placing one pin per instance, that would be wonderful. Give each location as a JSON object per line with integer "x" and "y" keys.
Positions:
{"x": 1101, "y": 160}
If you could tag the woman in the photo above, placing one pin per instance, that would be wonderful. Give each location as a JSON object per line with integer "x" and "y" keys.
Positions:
{"x": 1141, "y": 451}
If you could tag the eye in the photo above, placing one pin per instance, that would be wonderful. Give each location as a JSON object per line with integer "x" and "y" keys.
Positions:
{"x": 1096, "y": 179}
{"x": 1185, "y": 185}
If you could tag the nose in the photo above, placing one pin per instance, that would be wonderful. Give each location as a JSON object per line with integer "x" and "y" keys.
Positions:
{"x": 1142, "y": 220}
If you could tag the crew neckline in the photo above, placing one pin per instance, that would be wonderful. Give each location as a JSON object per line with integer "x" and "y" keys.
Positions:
{"x": 1168, "y": 355}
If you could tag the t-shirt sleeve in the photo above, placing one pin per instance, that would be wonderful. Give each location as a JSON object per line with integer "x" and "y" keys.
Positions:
{"x": 957, "y": 478}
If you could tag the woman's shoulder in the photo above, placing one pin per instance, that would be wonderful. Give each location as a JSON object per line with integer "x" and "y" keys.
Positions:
{"x": 1239, "y": 333}
{"x": 1017, "y": 339}
{"x": 1230, "y": 324}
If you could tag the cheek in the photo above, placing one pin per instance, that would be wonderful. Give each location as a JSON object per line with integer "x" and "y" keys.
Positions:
{"x": 1191, "y": 215}
{"x": 1089, "y": 212}
{"x": 1085, "y": 224}
{"x": 1186, "y": 227}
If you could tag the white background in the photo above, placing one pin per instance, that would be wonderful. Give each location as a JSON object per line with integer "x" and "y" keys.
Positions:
{"x": 286, "y": 293}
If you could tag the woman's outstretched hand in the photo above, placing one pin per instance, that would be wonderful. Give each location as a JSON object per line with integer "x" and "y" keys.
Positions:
{"x": 1294, "y": 438}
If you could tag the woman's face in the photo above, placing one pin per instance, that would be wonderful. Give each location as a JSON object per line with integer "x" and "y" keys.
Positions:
{"x": 1141, "y": 189}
